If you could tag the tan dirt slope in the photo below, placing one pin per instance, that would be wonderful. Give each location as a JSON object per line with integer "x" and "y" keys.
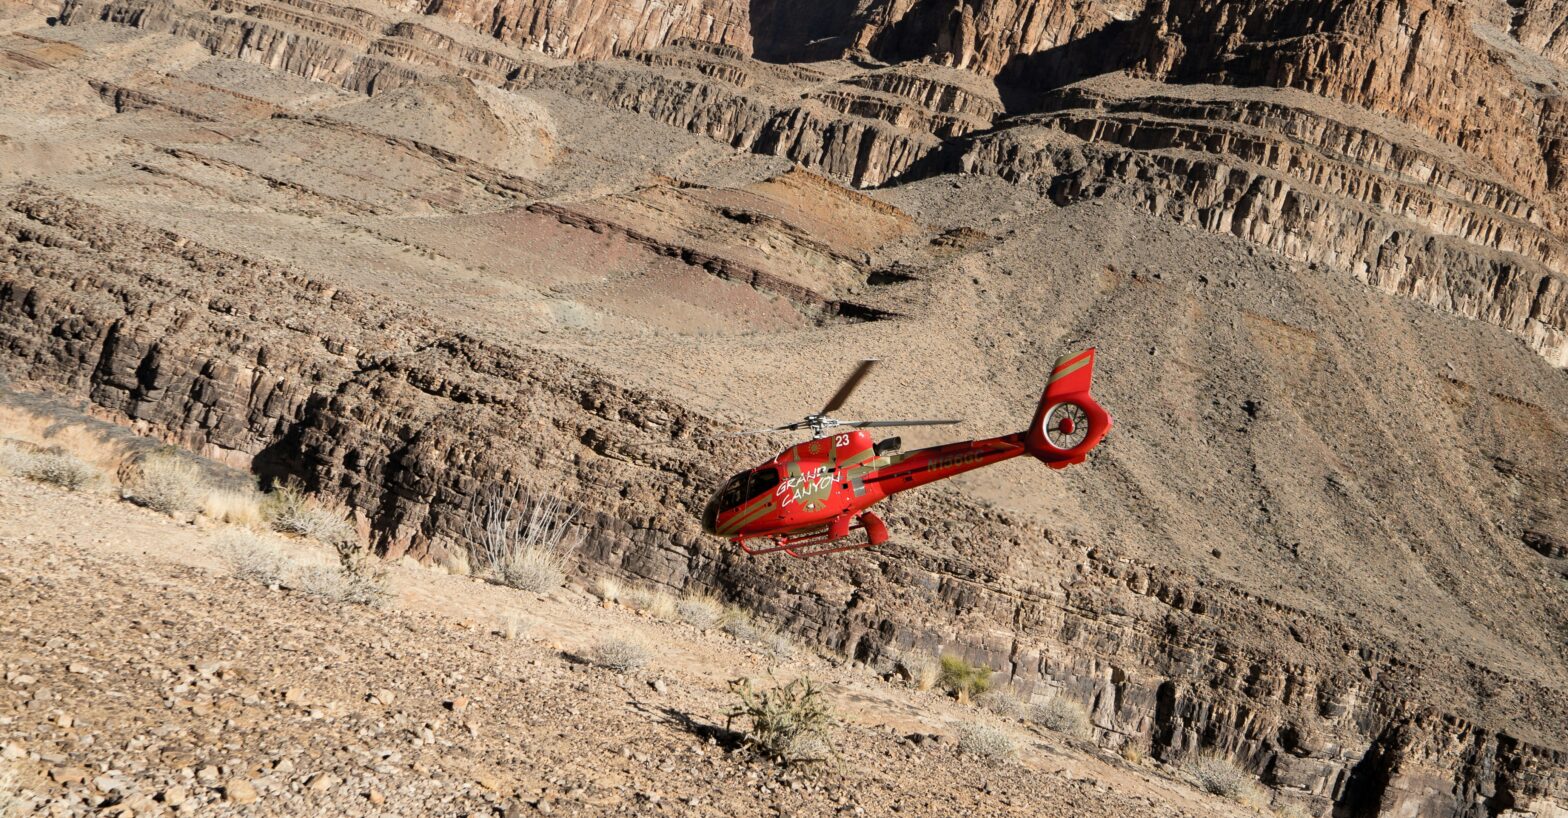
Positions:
{"x": 141, "y": 679}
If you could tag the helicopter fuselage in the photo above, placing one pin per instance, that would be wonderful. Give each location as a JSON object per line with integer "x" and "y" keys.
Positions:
{"x": 816, "y": 482}
{"x": 806, "y": 500}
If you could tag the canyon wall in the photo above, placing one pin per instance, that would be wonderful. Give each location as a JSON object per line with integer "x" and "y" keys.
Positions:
{"x": 372, "y": 403}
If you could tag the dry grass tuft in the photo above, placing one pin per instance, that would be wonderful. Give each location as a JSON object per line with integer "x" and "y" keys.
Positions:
{"x": 10, "y": 790}
{"x": 987, "y": 743}
{"x": 165, "y": 483}
{"x": 701, "y": 611}
{"x": 1001, "y": 702}
{"x": 655, "y": 602}
{"x": 291, "y": 510}
{"x": 1132, "y": 753}
{"x": 252, "y": 556}
{"x": 923, "y": 671}
{"x": 619, "y": 654}
{"x": 962, "y": 679}
{"x": 608, "y": 589}
{"x": 515, "y": 627}
{"x": 1062, "y": 715}
{"x": 788, "y": 723}
{"x": 1219, "y": 775}
{"x": 533, "y": 569}
{"x": 233, "y": 507}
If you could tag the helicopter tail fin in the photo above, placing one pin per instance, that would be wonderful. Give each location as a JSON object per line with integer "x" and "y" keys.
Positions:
{"x": 1068, "y": 422}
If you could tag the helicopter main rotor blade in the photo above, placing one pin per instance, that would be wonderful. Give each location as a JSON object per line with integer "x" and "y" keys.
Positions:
{"x": 788, "y": 427}
{"x": 848, "y": 388}
{"x": 867, "y": 424}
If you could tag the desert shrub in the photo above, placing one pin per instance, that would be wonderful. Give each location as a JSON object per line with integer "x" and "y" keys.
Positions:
{"x": 334, "y": 584}
{"x": 362, "y": 576}
{"x": 653, "y": 601}
{"x": 54, "y": 466}
{"x": 789, "y": 724}
{"x": 522, "y": 541}
{"x": 619, "y": 654}
{"x": 38, "y": 431}
{"x": 232, "y": 507}
{"x": 252, "y": 556}
{"x": 1062, "y": 715}
{"x": 987, "y": 743}
{"x": 700, "y": 611}
{"x": 608, "y": 589}
{"x": 1001, "y": 702}
{"x": 289, "y": 509}
{"x": 963, "y": 679}
{"x": 1219, "y": 775}
{"x": 165, "y": 483}
{"x": 1132, "y": 753}
{"x": 13, "y": 459}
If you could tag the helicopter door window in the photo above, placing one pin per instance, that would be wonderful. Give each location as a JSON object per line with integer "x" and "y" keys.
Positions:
{"x": 762, "y": 480}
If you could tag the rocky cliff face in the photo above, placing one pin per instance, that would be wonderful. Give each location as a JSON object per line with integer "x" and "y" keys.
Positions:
{"x": 1436, "y": 177}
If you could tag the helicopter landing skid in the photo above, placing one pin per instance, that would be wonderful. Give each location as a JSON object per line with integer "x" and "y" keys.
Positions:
{"x": 822, "y": 541}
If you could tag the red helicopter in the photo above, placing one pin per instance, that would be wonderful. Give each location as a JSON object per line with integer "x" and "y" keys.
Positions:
{"x": 807, "y": 500}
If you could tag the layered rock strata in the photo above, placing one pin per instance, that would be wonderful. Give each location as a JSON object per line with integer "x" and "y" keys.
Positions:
{"x": 1305, "y": 184}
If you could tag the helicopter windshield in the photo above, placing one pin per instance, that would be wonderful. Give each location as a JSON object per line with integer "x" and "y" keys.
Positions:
{"x": 746, "y": 485}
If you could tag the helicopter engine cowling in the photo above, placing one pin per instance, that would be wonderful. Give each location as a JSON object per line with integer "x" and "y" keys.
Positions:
{"x": 1068, "y": 423}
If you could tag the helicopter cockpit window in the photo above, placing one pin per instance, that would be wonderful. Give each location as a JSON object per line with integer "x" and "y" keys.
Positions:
{"x": 762, "y": 480}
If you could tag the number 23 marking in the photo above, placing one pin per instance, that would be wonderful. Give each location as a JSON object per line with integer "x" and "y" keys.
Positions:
{"x": 841, "y": 440}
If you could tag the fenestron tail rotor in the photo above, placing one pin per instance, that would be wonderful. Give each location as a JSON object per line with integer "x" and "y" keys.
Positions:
{"x": 820, "y": 423}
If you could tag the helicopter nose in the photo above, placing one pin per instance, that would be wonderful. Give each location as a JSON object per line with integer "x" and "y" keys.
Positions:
{"x": 710, "y": 516}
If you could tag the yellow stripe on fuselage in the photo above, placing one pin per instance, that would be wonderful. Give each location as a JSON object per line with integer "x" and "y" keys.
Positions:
{"x": 747, "y": 517}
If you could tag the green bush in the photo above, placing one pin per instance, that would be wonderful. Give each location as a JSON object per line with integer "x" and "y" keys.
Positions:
{"x": 963, "y": 679}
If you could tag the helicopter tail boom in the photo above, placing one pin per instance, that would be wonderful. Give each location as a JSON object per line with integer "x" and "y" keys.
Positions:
{"x": 1068, "y": 422}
